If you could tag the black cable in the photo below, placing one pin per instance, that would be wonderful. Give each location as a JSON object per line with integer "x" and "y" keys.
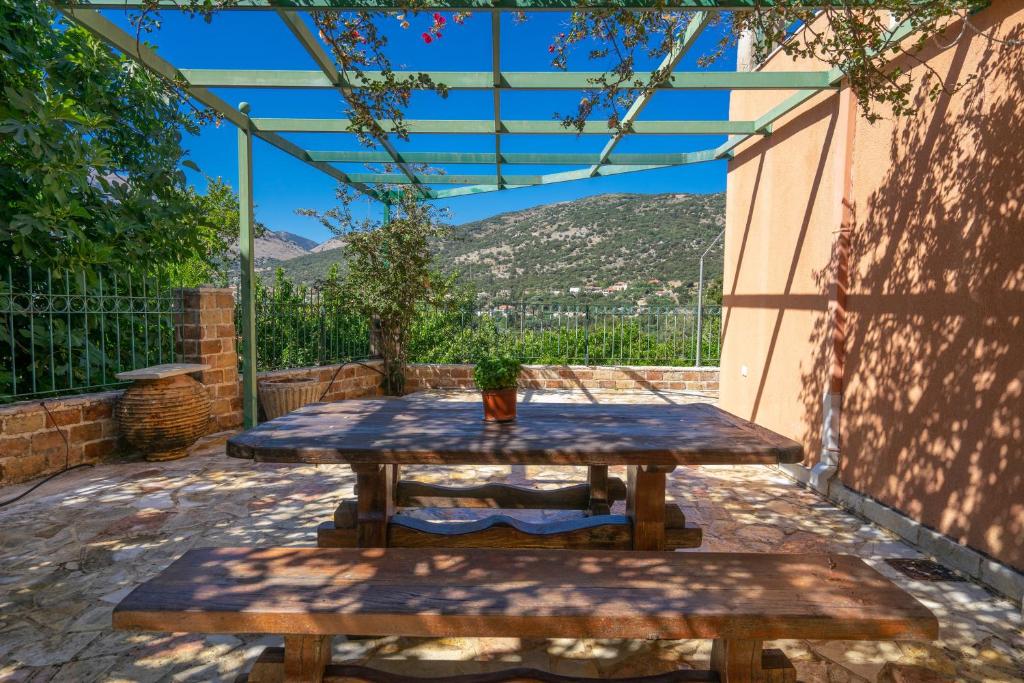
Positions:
{"x": 335, "y": 375}
{"x": 67, "y": 461}
{"x": 38, "y": 484}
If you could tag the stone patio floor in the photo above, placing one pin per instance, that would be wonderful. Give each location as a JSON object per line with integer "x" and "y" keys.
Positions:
{"x": 73, "y": 548}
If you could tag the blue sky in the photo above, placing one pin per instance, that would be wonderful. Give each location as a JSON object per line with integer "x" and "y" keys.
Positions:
{"x": 282, "y": 184}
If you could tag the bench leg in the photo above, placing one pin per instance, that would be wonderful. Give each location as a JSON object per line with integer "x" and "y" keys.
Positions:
{"x": 597, "y": 478}
{"x": 744, "y": 661}
{"x": 645, "y": 505}
{"x": 396, "y": 476}
{"x": 305, "y": 658}
{"x": 374, "y": 505}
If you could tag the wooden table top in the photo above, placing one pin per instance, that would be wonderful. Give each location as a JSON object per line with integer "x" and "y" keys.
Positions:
{"x": 453, "y": 433}
{"x": 530, "y": 593}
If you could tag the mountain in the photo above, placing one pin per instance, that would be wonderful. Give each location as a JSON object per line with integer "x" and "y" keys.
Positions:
{"x": 279, "y": 246}
{"x": 618, "y": 247}
{"x": 304, "y": 242}
{"x": 333, "y": 243}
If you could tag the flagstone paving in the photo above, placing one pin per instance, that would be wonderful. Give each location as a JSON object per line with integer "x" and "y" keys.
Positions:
{"x": 72, "y": 549}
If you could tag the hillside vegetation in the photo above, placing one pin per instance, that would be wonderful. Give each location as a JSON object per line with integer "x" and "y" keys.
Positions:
{"x": 652, "y": 243}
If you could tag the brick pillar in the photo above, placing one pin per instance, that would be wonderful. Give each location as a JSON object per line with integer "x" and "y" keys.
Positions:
{"x": 206, "y": 334}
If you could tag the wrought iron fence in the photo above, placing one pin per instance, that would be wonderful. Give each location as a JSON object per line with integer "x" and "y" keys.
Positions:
{"x": 63, "y": 332}
{"x": 571, "y": 334}
{"x": 299, "y": 326}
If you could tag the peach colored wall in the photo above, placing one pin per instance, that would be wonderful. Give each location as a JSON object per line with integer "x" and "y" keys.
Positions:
{"x": 933, "y": 383}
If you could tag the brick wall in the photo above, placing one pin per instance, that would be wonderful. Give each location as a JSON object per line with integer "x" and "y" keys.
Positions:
{"x": 206, "y": 334}
{"x": 568, "y": 377}
{"x": 351, "y": 381}
{"x": 31, "y": 444}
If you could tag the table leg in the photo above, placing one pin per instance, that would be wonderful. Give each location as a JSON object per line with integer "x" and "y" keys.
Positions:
{"x": 744, "y": 661}
{"x": 597, "y": 478}
{"x": 305, "y": 658}
{"x": 645, "y": 505}
{"x": 375, "y": 504}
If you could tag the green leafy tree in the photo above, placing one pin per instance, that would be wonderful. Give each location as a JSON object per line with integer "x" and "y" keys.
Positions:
{"x": 94, "y": 208}
{"x": 90, "y": 143}
{"x": 390, "y": 274}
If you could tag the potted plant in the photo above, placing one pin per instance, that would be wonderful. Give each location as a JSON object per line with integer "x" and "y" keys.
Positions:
{"x": 496, "y": 378}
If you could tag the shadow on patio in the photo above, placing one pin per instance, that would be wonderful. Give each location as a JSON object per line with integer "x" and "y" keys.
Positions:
{"x": 72, "y": 551}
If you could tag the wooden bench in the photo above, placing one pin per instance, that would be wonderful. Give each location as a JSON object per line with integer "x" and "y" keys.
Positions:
{"x": 308, "y": 595}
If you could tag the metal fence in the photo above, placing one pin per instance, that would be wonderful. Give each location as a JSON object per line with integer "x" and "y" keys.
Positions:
{"x": 572, "y": 334}
{"x": 303, "y": 326}
{"x": 63, "y": 332}
{"x": 607, "y": 335}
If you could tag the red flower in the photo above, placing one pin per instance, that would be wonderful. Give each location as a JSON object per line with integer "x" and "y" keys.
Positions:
{"x": 551, "y": 48}
{"x": 437, "y": 34}
{"x": 427, "y": 39}
{"x": 438, "y": 17}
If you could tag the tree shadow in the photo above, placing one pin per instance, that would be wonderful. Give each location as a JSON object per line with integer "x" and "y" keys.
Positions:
{"x": 933, "y": 406}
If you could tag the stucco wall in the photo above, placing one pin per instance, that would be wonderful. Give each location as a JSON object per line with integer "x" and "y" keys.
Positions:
{"x": 933, "y": 379}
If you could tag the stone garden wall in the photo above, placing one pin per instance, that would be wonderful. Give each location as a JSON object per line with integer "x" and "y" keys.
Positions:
{"x": 32, "y": 440}
{"x": 82, "y": 429}
{"x": 570, "y": 377}
{"x": 340, "y": 382}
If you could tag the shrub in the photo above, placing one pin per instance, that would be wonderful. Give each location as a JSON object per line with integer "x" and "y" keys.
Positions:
{"x": 496, "y": 373}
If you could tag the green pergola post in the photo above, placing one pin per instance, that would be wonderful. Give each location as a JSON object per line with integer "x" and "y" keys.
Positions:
{"x": 246, "y": 254}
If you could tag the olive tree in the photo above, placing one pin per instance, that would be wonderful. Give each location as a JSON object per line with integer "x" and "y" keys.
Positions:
{"x": 389, "y": 274}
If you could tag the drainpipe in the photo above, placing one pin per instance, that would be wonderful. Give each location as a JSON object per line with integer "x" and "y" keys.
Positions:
{"x": 827, "y": 468}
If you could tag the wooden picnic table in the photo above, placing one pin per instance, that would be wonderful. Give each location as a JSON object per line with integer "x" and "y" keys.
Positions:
{"x": 376, "y": 437}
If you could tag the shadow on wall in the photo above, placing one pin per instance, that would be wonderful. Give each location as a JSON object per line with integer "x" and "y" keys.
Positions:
{"x": 933, "y": 418}
{"x": 782, "y": 310}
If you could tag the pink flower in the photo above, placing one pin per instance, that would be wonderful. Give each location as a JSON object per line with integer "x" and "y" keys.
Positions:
{"x": 427, "y": 39}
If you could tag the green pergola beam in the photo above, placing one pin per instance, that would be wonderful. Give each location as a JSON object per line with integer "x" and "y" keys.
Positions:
{"x": 480, "y": 5}
{"x": 764, "y": 122}
{"x": 484, "y": 127}
{"x": 487, "y": 180}
{"x": 679, "y": 48}
{"x": 566, "y": 176}
{"x": 495, "y": 92}
{"x": 316, "y": 51}
{"x": 109, "y": 33}
{"x": 514, "y": 158}
{"x": 447, "y": 179}
{"x": 510, "y": 80}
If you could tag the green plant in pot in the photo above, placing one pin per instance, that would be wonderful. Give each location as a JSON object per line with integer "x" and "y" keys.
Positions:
{"x": 496, "y": 378}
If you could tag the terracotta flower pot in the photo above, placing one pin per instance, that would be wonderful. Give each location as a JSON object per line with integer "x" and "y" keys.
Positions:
{"x": 281, "y": 396}
{"x": 499, "y": 405}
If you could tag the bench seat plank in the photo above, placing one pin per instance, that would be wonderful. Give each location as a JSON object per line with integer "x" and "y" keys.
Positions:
{"x": 545, "y": 594}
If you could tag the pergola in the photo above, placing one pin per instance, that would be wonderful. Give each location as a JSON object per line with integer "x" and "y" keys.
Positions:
{"x": 198, "y": 83}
